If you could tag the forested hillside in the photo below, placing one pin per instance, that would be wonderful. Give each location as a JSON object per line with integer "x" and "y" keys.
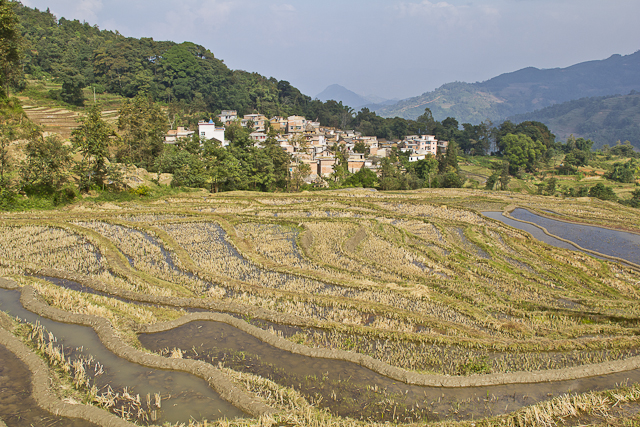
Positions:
{"x": 186, "y": 76}
{"x": 605, "y": 119}
{"x": 82, "y": 55}
{"x": 523, "y": 91}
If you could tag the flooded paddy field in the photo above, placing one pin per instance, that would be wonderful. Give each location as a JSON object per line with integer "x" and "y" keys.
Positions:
{"x": 531, "y": 229}
{"x": 620, "y": 244}
{"x": 422, "y": 284}
{"x": 350, "y": 390}
{"x": 175, "y": 396}
{"x": 17, "y": 407}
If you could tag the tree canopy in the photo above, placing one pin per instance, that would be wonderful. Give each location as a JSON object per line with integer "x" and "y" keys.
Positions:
{"x": 9, "y": 45}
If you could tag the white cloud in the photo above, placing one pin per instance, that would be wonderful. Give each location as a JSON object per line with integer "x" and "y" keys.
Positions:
{"x": 284, "y": 7}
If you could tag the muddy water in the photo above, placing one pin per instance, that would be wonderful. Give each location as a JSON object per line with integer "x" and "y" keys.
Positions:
{"x": 17, "y": 407}
{"x": 608, "y": 242}
{"x": 350, "y": 390}
{"x": 184, "y": 396}
{"x": 531, "y": 229}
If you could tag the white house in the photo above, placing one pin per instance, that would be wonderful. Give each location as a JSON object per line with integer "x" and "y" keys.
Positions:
{"x": 209, "y": 130}
{"x": 423, "y": 144}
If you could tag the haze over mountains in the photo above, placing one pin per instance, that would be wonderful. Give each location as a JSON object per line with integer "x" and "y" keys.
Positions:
{"x": 522, "y": 91}
{"x": 347, "y": 97}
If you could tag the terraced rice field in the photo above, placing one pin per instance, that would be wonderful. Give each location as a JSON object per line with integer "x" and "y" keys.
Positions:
{"x": 54, "y": 120}
{"x": 432, "y": 311}
{"x": 60, "y": 120}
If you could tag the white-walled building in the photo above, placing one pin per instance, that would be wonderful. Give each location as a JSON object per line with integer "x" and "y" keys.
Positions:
{"x": 209, "y": 130}
{"x": 421, "y": 145}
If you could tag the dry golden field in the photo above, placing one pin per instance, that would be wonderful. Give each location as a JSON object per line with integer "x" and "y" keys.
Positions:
{"x": 419, "y": 280}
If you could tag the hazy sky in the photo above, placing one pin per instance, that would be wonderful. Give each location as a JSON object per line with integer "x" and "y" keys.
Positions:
{"x": 389, "y": 48}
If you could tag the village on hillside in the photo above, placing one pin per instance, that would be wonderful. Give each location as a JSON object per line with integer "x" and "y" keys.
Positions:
{"x": 310, "y": 143}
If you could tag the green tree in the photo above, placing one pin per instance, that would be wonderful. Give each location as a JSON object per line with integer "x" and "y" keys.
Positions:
{"x": 13, "y": 126}
{"x": 548, "y": 188}
{"x": 72, "y": 85}
{"x": 91, "y": 139}
{"x": 360, "y": 147}
{"x": 365, "y": 178}
{"x": 142, "y": 126}
{"x": 47, "y": 164}
{"x": 491, "y": 181}
{"x": 449, "y": 161}
{"x": 187, "y": 167}
{"x": 623, "y": 150}
{"x": 634, "y": 201}
{"x": 219, "y": 164}
{"x": 521, "y": 152}
{"x": 426, "y": 168}
{"x": 280, "y": 158}
{"x": 13, "y": 122}
{"x": 426, "y": 122}
{"x": 259, "y": 169}
{"x": 238, "y": 136}
{"x": 624, "y": 172}
{"x": 389, "y": 174}
{"x": 503, "y": 178}
{"x": 600, "y": 191}
{"x": 10, "y": 40}
{"x": 300, "y": 172}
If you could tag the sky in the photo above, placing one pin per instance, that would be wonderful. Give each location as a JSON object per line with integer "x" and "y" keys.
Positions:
{"x": 387, "y": 48}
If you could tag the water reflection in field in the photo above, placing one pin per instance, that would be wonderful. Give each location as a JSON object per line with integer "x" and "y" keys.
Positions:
{"x": 349, "y": 389}
{"x": 184, "y": 396}
{"x": 17, "y": 407}
{"x": 614, "y": 243}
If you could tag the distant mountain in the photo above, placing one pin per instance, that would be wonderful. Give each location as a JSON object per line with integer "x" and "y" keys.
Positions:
{"x": 603, "y": 119}
{"x": 347, "y": 97}
{"x": 523, "y": 91}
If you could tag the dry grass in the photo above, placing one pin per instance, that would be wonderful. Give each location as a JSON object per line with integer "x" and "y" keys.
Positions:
{"x": 418, "y": 280}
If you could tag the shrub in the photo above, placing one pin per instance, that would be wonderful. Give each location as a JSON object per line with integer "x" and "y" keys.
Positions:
{"x": 65, "y": 195}
{"x": 600, "y": 191}
{"x": 141, "y": 191}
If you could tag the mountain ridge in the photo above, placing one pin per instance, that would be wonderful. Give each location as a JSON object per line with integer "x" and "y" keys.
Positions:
{"x": 603, "y": 119}
{"x": 348, "y": 97}
{"x": 523, "y": 91}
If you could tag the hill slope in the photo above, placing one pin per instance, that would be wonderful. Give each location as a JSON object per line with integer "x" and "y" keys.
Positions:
{"x": 605, "y": 119}
{"x": 78, "y": 55}
{"x": 523, "y": 91}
